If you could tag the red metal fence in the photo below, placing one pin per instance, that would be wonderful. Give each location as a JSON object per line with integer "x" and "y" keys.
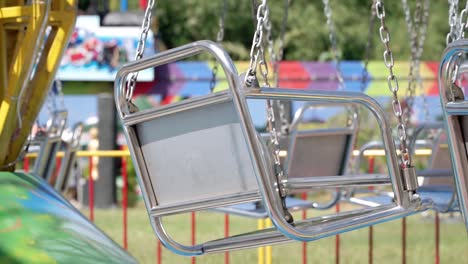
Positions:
{"x": 123, "y": 155}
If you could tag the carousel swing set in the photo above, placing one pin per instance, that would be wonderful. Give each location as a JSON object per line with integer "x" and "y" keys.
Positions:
{"x": 229, "y": 166}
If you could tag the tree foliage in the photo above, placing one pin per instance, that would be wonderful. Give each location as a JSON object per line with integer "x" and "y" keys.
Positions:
{"x": 183, "y": 21}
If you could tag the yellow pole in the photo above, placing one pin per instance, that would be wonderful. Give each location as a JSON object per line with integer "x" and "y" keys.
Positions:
{"x": 261, "y": 250}
{"x": 268, "y": 249}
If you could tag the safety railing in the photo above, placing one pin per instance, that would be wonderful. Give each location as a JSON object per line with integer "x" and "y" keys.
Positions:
{"x": 265, "y": 255}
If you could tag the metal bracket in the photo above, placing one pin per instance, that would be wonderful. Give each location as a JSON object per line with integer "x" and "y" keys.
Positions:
{"x": 410, "y": 178}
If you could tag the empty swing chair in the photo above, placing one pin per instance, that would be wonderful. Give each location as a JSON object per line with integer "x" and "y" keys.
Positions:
{"x": 295, "y": 148}
{"x": 454, "y": 109}
{"x": 436, "y": 180}
{"x": 71, "y": 144}
{"x": 335, "y": 146}
{"x": 204, "y": 153}
{"x": 49, "y": 142}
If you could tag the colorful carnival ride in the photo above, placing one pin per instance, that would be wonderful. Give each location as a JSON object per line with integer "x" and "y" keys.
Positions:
{"x": 228, "y": 165}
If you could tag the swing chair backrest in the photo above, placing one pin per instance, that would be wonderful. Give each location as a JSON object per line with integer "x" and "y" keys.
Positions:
{"x": 454, "y": 109}
{"x": 318, "y": 152}
{"x": 439, "y": 163}
{"x": 194, "y": 151}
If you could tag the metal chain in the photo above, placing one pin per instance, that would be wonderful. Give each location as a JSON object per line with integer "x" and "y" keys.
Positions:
{"x": 365, "y": 72}
{"x": 145, "y": 27}
{"x": 280, "y": 54}
{"x": 256, "y": 48}
{"x": 409, "y": 95}
{"x": 332, "y": 36}
{"x": 393, "y": 86}
{"x": 350, "y": 111}
{"x": 276, "y": 58}
{"x": 257, "y": 59}
{"x": 453, "y": 21}
{"x": 219, "y": 39}
{"x": 463, "y": 22}
{"x": 352, "y": 166}
{"x": 417, "y": 28}
{"x": 422, "y": 39}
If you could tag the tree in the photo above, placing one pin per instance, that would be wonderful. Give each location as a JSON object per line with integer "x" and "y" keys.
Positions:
{"x": 307, "y": 34}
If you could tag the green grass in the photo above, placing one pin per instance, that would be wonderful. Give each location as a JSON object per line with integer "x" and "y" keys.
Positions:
{"x": 354, "y": 245}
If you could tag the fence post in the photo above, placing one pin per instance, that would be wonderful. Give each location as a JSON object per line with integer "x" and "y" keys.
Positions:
{"x": 91, "y": 190}
{"x": 159, "y": 252}
{"x": 261, "y": 250}
{"x": 304, "y": 244}
{"x": 371, "y": 169}
{"x": 226, "y": 234}
{"x": 337, "y": 239}
{"x": 124, "y": 200}
{"x": 403, "y": 240}
{"x": 193, "y": 224}
{"x": 268, "y": 249}
{"x": 26, "y": 164}
{"x": 437, "y": 238}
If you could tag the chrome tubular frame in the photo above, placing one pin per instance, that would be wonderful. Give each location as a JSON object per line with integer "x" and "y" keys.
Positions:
{"x": 455, "y": 113}
{"x": 308, "y": 230}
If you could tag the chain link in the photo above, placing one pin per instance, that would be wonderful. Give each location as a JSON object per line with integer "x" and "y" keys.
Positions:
{"x": 145, "y": 28}
{"x": 422, "y": 40}
{"x": 463, "y": 22}
{"x": 365, "y": 72}
{"x": 258, "y": 60}
{"x": 453, "y": 21}
{"x": 334, "y": 46}
{"x": 278, "y": 106}
{"x": 256, "y": 48}
{"x": 393, "y": 86}
{"x": 417, "y": 28}
{"x": 350, "y": 111}
{"x": 219, "y": 39}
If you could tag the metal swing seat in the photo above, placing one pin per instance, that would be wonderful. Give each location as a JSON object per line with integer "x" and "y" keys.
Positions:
{"x": 435, "y": 182}
{"x": 455, "y": 112}
{"x": 334, "y": 146}
{"x": 299, "y": 146}
{"x": 71, "y": 144}
{"x": 204, "y": 153}
{"x": 49, "y": 143}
